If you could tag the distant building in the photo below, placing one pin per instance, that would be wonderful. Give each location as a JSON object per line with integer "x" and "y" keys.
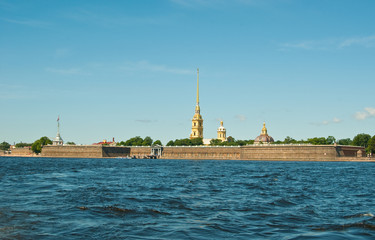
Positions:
{"x": 58, "y": 140}
{"x": 197, "y": 122}
{"x": 105, "y": 142}
{"x": 222, "y": 132}
{"x": 263, "y": 137}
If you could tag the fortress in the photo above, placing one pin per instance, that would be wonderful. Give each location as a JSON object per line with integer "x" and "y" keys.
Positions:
{"x": 251, "y": 152}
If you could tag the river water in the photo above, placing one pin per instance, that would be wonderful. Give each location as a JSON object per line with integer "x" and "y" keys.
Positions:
{"x": 42, "y": 198}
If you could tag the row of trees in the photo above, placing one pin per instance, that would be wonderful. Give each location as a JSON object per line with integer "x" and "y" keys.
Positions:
{"x": 186, "y": 142}
{"x": 138, "y": 141}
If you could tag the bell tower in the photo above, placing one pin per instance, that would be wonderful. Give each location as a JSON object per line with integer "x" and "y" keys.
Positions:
{"x": 222, "y": 132}
{"x": 197, "y": 122}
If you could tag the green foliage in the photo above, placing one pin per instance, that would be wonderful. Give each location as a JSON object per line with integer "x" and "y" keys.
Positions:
{"x": 157, "y": 142}
{"x": 215, "y": 142}
{"x": 232, "y": 142}
{"x": 197, "y": 141}
{"x": 37, "y": 146}
{"x": 361, "y": 139}
{"x": 70, "y": 143}
{"x": 230, "y": 139}
{"x": 135, "y": 141}
{"x": 186, "y": 142}
{"x": 22, "y": 145}
{"x": 4, "y": 146}
{"x": 147, "y": 141}
{"x": 122, "y": 143}
{"x": 345, "y": 141}
{"x": 371, "y": 145}
{"x": 183, "y": 142}
{"x": 289, "y": 140}
{"x": 317, "y": 141}
{"x": 330, "y": 140}
{"x": 170, "y": 143}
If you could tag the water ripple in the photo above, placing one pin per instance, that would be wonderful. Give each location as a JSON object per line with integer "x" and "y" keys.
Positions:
{"x": 182, "y": 199}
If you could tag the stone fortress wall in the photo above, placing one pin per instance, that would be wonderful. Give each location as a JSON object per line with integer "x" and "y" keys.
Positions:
{"x": 85, "y": 151}
{"x": 250, "y": 152}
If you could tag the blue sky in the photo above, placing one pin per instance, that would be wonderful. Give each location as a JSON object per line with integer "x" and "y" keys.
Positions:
{"x": 128, "y": 68}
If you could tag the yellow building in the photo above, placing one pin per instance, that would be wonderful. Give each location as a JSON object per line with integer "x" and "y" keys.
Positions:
{"x": 222, "y": 132}
{"x": 197, "y": 122}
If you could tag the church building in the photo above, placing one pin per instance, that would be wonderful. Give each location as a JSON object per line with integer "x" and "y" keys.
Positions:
{"x": 58, "y": 140}
{"x": 263, "y": 138}
{"x": 222, "y": 132}
{"x": 197, "y": 122}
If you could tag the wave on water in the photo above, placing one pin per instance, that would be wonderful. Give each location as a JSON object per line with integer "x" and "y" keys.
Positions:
{"x": 43, "y": 198}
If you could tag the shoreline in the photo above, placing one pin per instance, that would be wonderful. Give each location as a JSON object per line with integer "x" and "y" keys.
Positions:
{"x": 343, "y": 159}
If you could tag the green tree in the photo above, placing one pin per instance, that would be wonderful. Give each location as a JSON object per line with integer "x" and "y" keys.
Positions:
{"x": 183, "y": 142}
{"x": 197, "y": 141}
{"x": 361, "y": 140}
{"x": 345, "y": 141}
{"x": 330, "y": 140}
{"x": 147, "y": 141}
{"x": 157, "y": 142}
{"x": 170, "y": 143}
{"x": 371, "y": 145}
{"x": 241, "y": 142}
{"x": 4, "y": 146}
{"x": 230, "y": 139}
{"x": 135, "y": 141}
{"x": 289, "y": 140}
{"x": 22, "y": 145}
{"x": 37, "y": 146}
{"x": 215, "y": 142}
{"x": 70, "y": 143}
{"x": 317, "y": 141}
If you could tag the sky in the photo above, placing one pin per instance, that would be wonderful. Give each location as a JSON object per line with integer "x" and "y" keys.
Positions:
{"x": 129, "y": 68}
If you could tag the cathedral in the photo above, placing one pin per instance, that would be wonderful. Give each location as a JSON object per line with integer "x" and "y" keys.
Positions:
{"x": 263, "y": 137}
{"x": 197, "y": 122}
{"x": 197, "y": 126}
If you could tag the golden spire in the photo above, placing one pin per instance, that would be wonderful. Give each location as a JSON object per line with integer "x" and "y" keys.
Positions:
{"x": 264, "y": 129}
{"x": 197, "y": 86}
{"x": 221, "y": 123}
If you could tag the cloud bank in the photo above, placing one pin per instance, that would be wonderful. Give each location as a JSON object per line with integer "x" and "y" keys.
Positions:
{"x": 367, "y": 113}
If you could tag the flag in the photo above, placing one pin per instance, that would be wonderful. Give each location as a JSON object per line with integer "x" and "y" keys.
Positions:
{"x": 58, "y": 118}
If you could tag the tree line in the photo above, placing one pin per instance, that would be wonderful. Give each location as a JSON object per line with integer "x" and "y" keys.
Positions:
{"x": 138, "y": 141}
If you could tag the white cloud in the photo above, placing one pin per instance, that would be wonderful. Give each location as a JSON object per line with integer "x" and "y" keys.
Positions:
{"x": 145, "y": 120}
{"x": 146, "y": 66}
{"x": 11, "y": 92}
{"x": 336, "y": 120}
{"x": 368, "y": 112}
{"x": 241, "y": 117}
{"x": 28, "y": 22}
{"x": 69, "y": 71}
{"x": 331, "y": 43}
{"x": 326, "y": 122}
{"x": 368, "y": 41}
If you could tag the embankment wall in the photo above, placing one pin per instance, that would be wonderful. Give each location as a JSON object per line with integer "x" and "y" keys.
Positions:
{"x": 289, "y": 153}
{"x": 251, "y": 152}
{"x": 229, "y": 153}
{"x": 89, "y": 151}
